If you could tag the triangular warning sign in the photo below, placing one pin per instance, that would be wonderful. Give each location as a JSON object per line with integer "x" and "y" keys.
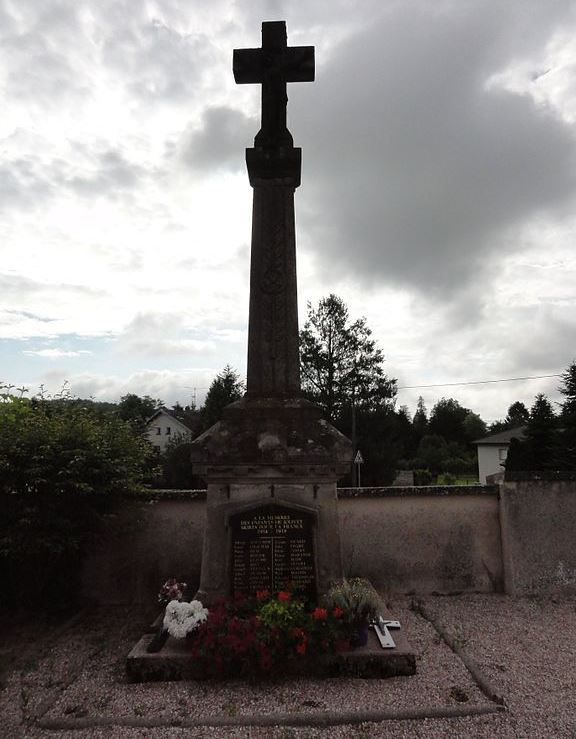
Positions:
{"x": 358, "y": 459}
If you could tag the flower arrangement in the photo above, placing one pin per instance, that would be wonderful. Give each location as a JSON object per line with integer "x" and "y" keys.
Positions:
{"x": 248, "y": 636}
{"x": 356, "y": 599}
{"x": 182, "y": 618}
{"x": 171, "y": 590}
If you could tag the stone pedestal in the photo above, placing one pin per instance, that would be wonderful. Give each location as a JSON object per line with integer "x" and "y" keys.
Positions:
{"x": 279, "y": 456}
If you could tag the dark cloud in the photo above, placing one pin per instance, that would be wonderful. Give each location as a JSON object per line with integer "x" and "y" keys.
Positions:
{"x": 110, "y": 172}
{"x": 30, "y": 180}
{"x": 416, "y": 172}
{"x": 219, "y": 141}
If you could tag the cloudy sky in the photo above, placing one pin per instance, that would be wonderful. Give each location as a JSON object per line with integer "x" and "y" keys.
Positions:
{"x": 437, "y": 199}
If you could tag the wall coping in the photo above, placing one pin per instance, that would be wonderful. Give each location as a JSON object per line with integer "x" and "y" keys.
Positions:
{"x": 415, "y": 491}
{"x": 436, "y": 491}
{"x": 540, "y": 476}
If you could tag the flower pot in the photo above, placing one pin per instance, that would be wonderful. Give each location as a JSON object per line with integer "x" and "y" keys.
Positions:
{"x": 359, "y": 635}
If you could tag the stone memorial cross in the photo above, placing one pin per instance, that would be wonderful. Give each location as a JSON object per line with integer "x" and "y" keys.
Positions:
{"x": 271, "y": 463}
{"x": 274, "y": 166}
{"x": 273, "y": 66}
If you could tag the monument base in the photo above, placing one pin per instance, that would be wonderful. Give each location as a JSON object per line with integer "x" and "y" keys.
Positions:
{"x": 271, "y": 465}
{"x": 173, "y": 662}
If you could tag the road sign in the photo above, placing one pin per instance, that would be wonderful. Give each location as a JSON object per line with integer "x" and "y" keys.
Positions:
{"x": 358, "y": 459}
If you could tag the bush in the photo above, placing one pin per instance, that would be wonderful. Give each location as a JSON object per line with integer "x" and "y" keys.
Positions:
{"x": 61, "y": 464}
{"x": 423, "y": 477}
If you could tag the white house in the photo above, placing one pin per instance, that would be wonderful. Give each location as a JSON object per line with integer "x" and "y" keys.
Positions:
{"x": 164, "y": 426}
{"x": 493, "y": 450}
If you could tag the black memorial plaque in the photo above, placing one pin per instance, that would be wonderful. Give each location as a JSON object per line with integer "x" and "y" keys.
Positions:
{"x": 272, "y": 548}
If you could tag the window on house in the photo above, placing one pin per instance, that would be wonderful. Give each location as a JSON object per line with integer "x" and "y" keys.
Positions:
{"x": 158, "y": 430}
{"x": 167, "y": 430}
{"x": 502, "y": 454}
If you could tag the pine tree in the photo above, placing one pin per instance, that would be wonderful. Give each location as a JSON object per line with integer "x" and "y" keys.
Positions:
{"x": 420, "y": 420}
{"x": 541, "y": 434}
{"x": 340, "y": 363}
{"x": 567, "y": 459}
{"x": 225, "y": 388}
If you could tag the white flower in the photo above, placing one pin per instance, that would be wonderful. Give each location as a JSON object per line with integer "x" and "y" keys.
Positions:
{"x": 181, "y": 617}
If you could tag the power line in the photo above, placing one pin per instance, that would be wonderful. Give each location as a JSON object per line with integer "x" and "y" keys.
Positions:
{"x": 478, "y": 382}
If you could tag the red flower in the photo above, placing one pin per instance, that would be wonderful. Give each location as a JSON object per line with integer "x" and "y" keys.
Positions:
{"x": 337, "y": 612}
{"x": 262, "y": 594}
{"x": 284, "y": 595}
{"x": 301, "y": 648}
{"x": 319, "y": 614}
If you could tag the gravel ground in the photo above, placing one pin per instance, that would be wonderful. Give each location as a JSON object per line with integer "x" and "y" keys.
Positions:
{"x": 525, "y": 648}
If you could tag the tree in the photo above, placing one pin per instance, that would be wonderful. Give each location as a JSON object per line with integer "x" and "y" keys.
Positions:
{"x": 188, "y": 414}
{"x": 540, "y": 450}
{"x": 340, "y": 364}
{"x": 518, "y": 415}
{"x": 447, "y": 420}
{"x": 61, "y": 463}
{"x": 138, "y": 409}
{"x": 567, "y": 451}
{"x": 420, "y": 420}
{"x": 568, "y": 390}
{"x": 474, "y": 427}
{"x": 225, "y": 388}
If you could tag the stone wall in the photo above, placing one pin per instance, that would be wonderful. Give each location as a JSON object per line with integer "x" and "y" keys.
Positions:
{"x": 147, "y": 542}
{"x": 423, "y": 540}
{"x": 519, "y": 537}
{"x": 438, "y": 539}
{"x": 539, "y": 536}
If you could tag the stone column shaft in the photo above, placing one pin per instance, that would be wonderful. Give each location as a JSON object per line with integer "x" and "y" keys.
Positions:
{"x": 273, "y": 353}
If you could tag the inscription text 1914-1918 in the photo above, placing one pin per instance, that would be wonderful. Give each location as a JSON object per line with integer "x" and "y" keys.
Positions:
{"x": 272, "y": 548}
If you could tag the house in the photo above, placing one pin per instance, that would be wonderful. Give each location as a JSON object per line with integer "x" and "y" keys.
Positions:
{"x": 163, "y": 426}
{"x": 493, "y": 450}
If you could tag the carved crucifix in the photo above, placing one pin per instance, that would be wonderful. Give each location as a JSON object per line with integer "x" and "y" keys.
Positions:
{"x": 273, "y": 66}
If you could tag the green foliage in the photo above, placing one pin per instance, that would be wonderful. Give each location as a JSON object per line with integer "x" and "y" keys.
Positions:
{"x": 175, "y": 468}
{"x": 65, "y": 448}
{"x": 473, "y": 427}
{"x": 381, "y": 435}
{"x": 138, "y": 409}
{"x": 568, "y": 419}
{"x": 282, "y": 614}
{"x": 188, "y": 414}
{"x": 420, "y": 420}
{"x": 224, "y": 389}
{"x": 340, "y": 364}
{"x": 423, "y": 477}
{"x": 61, "y": 461}
{"x": 356, "y": 598}
{"x": 518, "y": 415}
{"x": 542, "y": 447}
{"x": 447, "y": 420}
